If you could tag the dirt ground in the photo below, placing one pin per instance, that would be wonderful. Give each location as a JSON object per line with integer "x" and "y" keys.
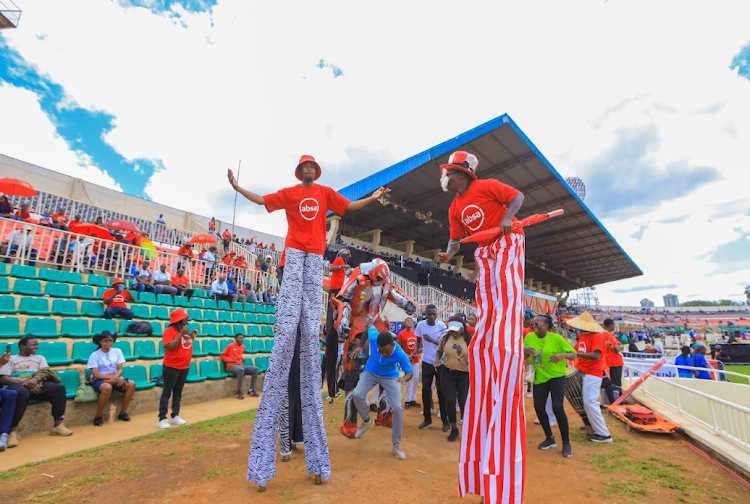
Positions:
{"x": 206, "y": 462}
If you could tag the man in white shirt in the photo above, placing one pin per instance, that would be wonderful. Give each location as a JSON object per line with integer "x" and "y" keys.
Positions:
{"x": 161, "y": 219}
{"x": 105, "y": 365}
{"x": 144, "y": 279}
{"x": 220, "y": 290}
{"x": 210, "y": 259}
{"x": 163, "y": 281}
{"x": 14, "y": 240}
{"x": 429, "y": 331}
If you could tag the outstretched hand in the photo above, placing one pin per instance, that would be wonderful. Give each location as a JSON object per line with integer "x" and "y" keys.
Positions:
{"x": 232, "y": 180}
{"x": 443, "y": 257}
{"x": 379, "y": 193}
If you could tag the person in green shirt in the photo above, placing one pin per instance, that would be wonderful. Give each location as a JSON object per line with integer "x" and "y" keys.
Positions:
{"x": 546, "y": 352}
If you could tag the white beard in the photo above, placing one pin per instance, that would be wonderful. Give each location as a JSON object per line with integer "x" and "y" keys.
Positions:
{"x": 444, "y": 183}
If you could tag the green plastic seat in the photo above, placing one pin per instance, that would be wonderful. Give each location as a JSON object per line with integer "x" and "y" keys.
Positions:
{"x": 146, "y": 349}
{"x": 64, "y": 307}
{"x": 210, "y": 316}
{"x": 224, "y": 305}
{"x": 250, "y": 308}
{"x": 23, "y": 271}
{"x": 93, "y": 309}
{"x": 41, "y": 327}
{"x": 262, "y": 308}
{"x": 100, "y": 292}
{"x": 264, "y": 319}
{"x": 127, "y": 351}
{"x": 139, "y": 376}
{"x": 248, "y": 361}
{"x": 56, "y": 353}
{"x": 4, "y": 285}
{"x": 75, "y": 328}
{"x": 225, "y": 330}
{"x": 237, "y": 306}
{"x": 193, "y": 375}
{"x": 8, "y": 305}
{"x": 83, "y": 292}
{"x": 34, "y": 306}
{"x": 262, "y": 364}
{"x": 210, "y": 330}
{"x": 50, "y": 275}
{"x": 271, "y": 310}
{"x": 253, "y": 331}
{"x": 147, "y": 297}
{"x": 164, "y": 300}
{"x": 202, "y": 293}
{"x": 141, "y": 311}
{"x": 269, "y": 345}
{"x": 257, "y": 346}
{"x": 251, "y": 318}
{"x": 99, "y": 326}
{"x": 82, "y": 350}
{"x": 13, "y": 346}
{"x": 210, "y": 369}
{"x": 72, "y": 277}
{"x": 197, "y": 352}
{"x": 266, "y": 331}
{"x": 196, "y": 315}
{"x": 238, "y": 317}
{"x": 210, "y": 304}
{"x": 158, "y": 328}
{"x": 56, "y": 289}
{"x": 181, "y": 301}
{"x": 9, "y": 327}
{"x": 194, "y": 326}
{"x": 70, "y": 380}
{"x": 98, "y": 281}
{"x": 272, "y": 319}
{"x": 239, "y": 329}
{"x": 156, "y": 371}
{"x": 225, "y": 316}
{"x": 28, "y": 287}
{"x": 196, "y": 302}
{"x": 159, "y": 313}
{"x": 3, "y": 269}
{"x": 224, "y": 342}
{"x": 211, "y": 347}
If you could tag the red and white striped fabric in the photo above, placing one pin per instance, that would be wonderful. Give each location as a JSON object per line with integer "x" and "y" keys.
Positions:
{"x": 492, "y": 462}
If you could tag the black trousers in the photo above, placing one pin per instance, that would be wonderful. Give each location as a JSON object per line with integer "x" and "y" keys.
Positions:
{"x": 51, "y": 392}
{"x": 331, "y": 356}
{"x": 555, "y": 387}
{"x": 607, "y": 386}
{"x": 174, "y": 381}
{"x": 615, "y": 376}
{"x": 428, "y": 373}
{"x": 455, "y": 385}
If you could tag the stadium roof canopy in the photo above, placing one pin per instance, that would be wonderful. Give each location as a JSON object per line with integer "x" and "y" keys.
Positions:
{"x": 567, "y": 252}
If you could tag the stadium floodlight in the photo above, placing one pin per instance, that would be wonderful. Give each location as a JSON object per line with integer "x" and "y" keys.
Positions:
{"x": 578, "y": 186}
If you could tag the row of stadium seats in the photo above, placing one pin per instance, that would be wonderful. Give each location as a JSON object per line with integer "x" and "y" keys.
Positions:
{"x": 56, "y": 352}
{"x": 45, "y": 327}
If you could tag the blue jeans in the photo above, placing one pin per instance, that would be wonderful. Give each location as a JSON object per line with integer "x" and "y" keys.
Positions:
{"x": 7, "y": 408}
{"x": 142, "y": 287}
{"x": 118, "y": 311}
{"x": 32, "y": 256}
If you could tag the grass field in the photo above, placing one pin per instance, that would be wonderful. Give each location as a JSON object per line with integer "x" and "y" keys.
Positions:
{"x": 745, "y": 370}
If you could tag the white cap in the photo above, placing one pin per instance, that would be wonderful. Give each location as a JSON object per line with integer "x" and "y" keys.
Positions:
{"x": 455, "y": 326}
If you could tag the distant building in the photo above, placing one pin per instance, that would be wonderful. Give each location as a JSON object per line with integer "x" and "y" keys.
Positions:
{"x": 671, "y": 300}
{"x": 647, "y": 303}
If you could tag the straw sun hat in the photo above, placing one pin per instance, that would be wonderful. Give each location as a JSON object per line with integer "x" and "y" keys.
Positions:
{"x": 585, "y": 322}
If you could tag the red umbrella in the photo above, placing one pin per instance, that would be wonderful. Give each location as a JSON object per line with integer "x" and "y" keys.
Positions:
{"x": 203, "y": 238}
{"x": 91, "y": 230}
{"x": 16, "y": 187}
{"x": 123, "y": 225}
{"x": 489, "y": 235}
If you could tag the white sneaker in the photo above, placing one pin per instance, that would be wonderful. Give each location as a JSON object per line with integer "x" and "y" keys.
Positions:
{"x": 553, "y": 422}
{"x": 362, "y": 429}
{"x": 537, "y": 421}
{"x": 164, "y": 424}
{"x": 398, "y": 452}
{"x": 177, "y": 421}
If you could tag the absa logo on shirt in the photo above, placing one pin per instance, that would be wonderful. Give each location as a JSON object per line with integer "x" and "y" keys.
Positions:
{"x": 472, "y": 217}
{"x": 308, "y": 208}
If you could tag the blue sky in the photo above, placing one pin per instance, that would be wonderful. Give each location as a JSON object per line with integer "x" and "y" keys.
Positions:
{"x": 158, "y": 98}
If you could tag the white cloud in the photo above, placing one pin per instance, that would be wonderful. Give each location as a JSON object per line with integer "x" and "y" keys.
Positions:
{"x": 206, "y": 90}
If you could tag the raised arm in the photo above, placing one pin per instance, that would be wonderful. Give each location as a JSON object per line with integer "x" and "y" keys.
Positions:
{"x": 361, "y": 203}
{"x": 255, "y": 198}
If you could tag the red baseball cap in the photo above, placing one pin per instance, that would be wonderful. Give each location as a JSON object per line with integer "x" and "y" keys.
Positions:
{"x": 307, "y": 159}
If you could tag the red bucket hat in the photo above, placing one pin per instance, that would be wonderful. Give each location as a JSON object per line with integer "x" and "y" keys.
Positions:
{"x": 176, "y": 316}
{"x": 307, "y": 159}
{"x": 464, "y": 162}
{"x": 116, "y": 281}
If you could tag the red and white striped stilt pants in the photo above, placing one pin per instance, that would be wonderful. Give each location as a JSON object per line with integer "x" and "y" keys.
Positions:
{"x": 492, "y": 462}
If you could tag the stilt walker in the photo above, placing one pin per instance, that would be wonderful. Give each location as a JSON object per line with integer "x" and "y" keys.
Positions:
{"x": 493, "y": 441}
{"x": 300, "y": 308}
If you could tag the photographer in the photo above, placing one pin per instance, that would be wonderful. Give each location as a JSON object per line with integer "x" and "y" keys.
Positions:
{"x": 178, "y": 351}
{"x": 114, "y": 299}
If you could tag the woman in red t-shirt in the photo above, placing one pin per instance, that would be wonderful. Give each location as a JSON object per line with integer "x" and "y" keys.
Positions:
{"x": 412, "y": 345}
{"x": 178, "y": 351}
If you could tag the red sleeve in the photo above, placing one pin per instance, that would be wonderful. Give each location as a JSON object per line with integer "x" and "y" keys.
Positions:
{"x": 225, "y": 357}
{"x": 457, "y": 228}
{"x": 338, "y": 262}
{"x": 597, "y": 343}
{"x": 275, "y": 201}
{"x": 502, "y": 192}
{"x": 336, "y": 202}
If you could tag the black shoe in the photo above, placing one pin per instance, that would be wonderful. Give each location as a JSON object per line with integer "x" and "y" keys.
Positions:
{"x": 252, "y": 393}
{"x": 596, "y": 438}
{"x": 416, "y": 404}
{"x": 453, "y": 435}
{"x": 567, "y": 450}
{"x": 239, "y": 395}
{"x": 582, "y": 428}
{"x": 98, "y": 421}
{"x": 425, "y": 425}
{"x": 124, "y": 417}
{"x": 548, "y": 443}
{"x": 446, "y": 427}
{"x": 374, "y": 408}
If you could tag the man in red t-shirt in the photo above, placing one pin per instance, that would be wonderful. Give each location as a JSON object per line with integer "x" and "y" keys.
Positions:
{"x": 590, "y": 352}
{"x": 338, "y": 273}
{"x": 306, "y": 206}
{"x": 114, "y": 300}
{"x": 178, "y": 351}
{"x": 613, "y": 356}
{"x": 182, "y": 284}
{"x": 480, "y": 205}
{"x": 412, "y": 345}
{"x": 235, "y": 364}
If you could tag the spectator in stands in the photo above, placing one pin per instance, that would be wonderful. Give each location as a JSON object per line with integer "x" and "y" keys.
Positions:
{"x": 60, "y": 220}
{"x": 60, "y": 251}
{"x": 7, "y": 406}
{"x": 161, "y": 219}
{"x": 228, "y": 259}
{"x": 144, "y": 279}
{"x": 234, "y": 362}
{"x": 232, "y": 289}
{"x": 453, "y": 356}
{"x": 684, "y": 359}
{"x": 163, "y": 281}
{"x": 184, "y": 256}
{"x": 632, "y": 346}
{"x": 220, "y": 289}
{"x": 178, "y": 351}
{"x": 14, "y": 240}
{"x": 29, "y": 375}
{"x": 408, "y": 340}
{"x": 240, "y": 262}
{"x": 226, "y": 237}
{"x": 181, "y": 284}
{"x": 429, "y": 332}
{"x": 105, "y": 364}
{"x": 76, "y": 221}
{"x": 114, "y": 299}
{"x": 6, "y": 209}
{"x": 210, "y": 259}
{"x": 699, "y": 361}
{"x": 265, "y": 266}
{"x": 251, "y": 294}
{"x": 22, "y": 214}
